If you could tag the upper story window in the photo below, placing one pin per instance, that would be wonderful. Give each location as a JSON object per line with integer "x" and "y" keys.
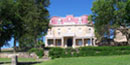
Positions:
{"x": 58, "y": 33}
{"x": 59, "y": 21}
{"x": 89, "y": 28}
{"x": 69, "y": 30}
{"x": 79, "y": 28}
{"x": 80, "y": 20}
{"x": 49, "y": 32}
{"x": 58, "y": 28}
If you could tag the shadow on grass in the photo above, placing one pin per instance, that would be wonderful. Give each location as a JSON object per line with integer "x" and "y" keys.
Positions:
{"x": 21, "y": 63}
{"x": 27, "y": 63}
{"x": 5, "y": 63}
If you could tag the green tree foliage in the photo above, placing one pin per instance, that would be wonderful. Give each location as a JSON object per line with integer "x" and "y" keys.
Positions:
{"x": 109, "y": 14}
{"x": 6, "y": 25}
{"x": 35, "y": 16}
{"x": 24, "y": 20}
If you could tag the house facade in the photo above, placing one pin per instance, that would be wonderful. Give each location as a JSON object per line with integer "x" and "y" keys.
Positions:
{"x": 70, "y": 31}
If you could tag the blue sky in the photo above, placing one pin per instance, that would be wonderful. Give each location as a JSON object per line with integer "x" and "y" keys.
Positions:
{"x": 67, "y": 7}
{"x": 70, "y": 7}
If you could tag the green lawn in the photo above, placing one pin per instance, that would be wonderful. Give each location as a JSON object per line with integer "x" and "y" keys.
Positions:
{"x": 19, "y": 59}
{"x": 99, "y": 60}
{"x": 7, "y": 61}
{"x": 95, "y": 60}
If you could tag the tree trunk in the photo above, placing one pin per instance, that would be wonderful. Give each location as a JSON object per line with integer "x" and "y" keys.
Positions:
{"x": 35, "y": 39}
{"x": 0, "y": 49}
{"x": 14, "y": 50}
{"x": 35, "y": 42}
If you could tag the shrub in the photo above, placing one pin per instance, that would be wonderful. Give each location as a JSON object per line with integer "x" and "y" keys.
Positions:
{"x": 32, "y": 50}
{"x": 39, "y": 52}
{"x": 89, "y": 51}
{"x": 56, "y": 52}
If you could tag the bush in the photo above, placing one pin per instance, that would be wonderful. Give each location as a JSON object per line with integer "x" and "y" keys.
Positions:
{"x": 89, "y": 51}
{"x": 39, "y": 52}
{"x": 104, "y": 51}
{"x": 32, "y": 50}
{"x": 68, "y": 52}
{"x": 56, "y": 52}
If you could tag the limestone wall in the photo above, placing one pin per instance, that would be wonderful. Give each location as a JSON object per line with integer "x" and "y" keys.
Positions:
{"x": 19, "y": 54}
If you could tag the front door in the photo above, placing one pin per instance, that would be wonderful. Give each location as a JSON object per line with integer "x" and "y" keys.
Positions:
{"x": 69, "y": 42}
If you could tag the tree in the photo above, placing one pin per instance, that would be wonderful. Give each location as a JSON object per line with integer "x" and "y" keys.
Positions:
{"x": 102, "y": 15}
{"x": 6, "y": 27}
{"x": 36, "y": 17}
{"x": 109, "y": 14}
{"x": 21, "y": 18}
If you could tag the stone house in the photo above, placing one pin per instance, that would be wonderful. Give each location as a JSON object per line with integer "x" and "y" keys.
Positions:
{"x": 70, "y": 31}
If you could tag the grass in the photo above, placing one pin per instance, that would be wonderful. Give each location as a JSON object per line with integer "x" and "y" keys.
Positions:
{"x": 25, "y": 61}
{"x": 5, "y": 59}
{"x": 19, "y": 59}
{"x": 95, "y": 60}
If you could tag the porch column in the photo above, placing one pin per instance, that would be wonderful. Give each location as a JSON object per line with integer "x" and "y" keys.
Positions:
{"x": 54, "y": 42}
{"x": 65, "y": 43}
{"x": 82, "y": 41}
{"x": 94, "y": 42}
{"x": 46, "y": 42}
{"x": 62, "y": 42}
{"x": 74, "y": 44}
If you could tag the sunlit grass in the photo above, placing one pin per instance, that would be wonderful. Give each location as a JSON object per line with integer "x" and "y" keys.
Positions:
{"x": 19, "y": 59}
{"x": 97, "y": 60}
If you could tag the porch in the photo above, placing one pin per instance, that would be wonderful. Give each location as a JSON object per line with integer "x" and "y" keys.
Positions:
{"x": 69, "y": 42}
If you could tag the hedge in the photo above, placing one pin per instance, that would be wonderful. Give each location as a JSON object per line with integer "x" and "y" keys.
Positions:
{"x": 88, "y": 51}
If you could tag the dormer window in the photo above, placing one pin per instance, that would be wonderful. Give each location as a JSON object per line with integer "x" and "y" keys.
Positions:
{"x": 50, "y": 21}
{"x": 80, "y": 20}
{"x": 59, "y": 21}
{"x": 69, "y": 19}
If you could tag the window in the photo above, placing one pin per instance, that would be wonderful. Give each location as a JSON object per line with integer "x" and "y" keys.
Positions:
{"x": 59, "y": 21}
{"x": 79, "y": 28}
{"x": 80, "y": 20}
{"x": 58, "y": 33}
{"x": 58, "y": 28}
{"x": 80, "y": 42}
{"x": 69, "y": 30}
{"x": 118, "y": 32}
{"x": 50, "y": 21}
{"x": 58, "y": 42}
{"x": 88, "y": 41}
{"x": 69, "y": 19}
{"x": 50, "y": 41}
{"x": 50, "y": 33}
{"x": 89, "y": 28}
